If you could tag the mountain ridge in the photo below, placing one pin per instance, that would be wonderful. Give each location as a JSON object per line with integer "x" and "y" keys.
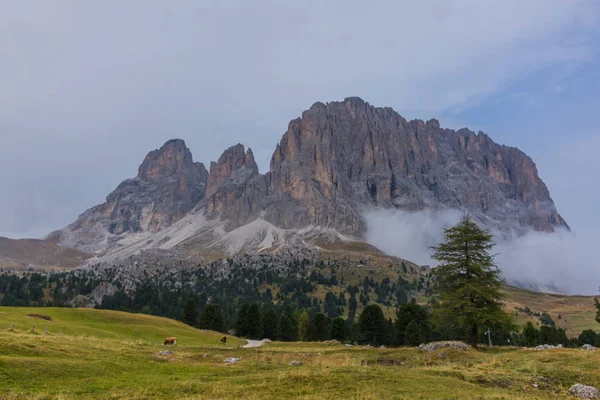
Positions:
{"x": 334, "y": 160}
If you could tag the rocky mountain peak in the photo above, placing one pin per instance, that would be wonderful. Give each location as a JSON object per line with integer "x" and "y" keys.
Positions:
{"x": 337, "y": 159}
{"x": 169, "y": 184}
{"x": 235, "y": 162}
{"x": 172, "y": 158}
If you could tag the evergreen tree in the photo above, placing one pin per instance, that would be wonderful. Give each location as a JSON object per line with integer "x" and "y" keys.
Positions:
{"x": 287, "y": 330}
{"x": 588, "y": 336}
{"x": 241, "y": 324}
{"x": 190, "y": 314}
{"x": 270, "y": 322}
{"x": 371, "y": 325}
{"x": 412, "y": 313}
{"x": 338, "y": 329}
{"x": 254, "y": 329}
{"x": 413, "y": 334}
{"x": 468, "y": 281}
{"x": 212, "y": 318}
{"x": 319, "y": 328}
{"x": 597, "y": 304}
{"x": 531, "y": 335}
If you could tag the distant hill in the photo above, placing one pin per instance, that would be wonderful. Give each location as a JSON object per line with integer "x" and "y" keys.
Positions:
{"x": 38, "y": 254}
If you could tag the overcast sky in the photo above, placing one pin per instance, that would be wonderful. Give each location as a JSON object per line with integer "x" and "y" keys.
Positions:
{"x": 87, "y": 88}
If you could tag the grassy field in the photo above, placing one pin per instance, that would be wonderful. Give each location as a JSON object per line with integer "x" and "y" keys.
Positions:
{"x": 574, "y": 313}
{"x": 118, "y": 359}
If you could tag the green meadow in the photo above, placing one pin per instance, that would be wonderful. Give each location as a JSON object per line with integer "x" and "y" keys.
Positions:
{"x": 114, "y": 355}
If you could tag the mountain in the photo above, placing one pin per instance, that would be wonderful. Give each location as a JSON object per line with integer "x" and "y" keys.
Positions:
{"x": 335, "y": 161}
{"x": 168, "y": 185}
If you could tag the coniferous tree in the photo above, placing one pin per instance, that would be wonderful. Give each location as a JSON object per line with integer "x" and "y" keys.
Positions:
{"x": 319, "y": 328}
{"x": 371, "y": 325}
{"x": 190, "y": 314}
{"x": 468, "y": 281}
{"x": 241, "y": 324}
{"x": 338, "y": 329}
{"x": 413, "y": 334}
{"x": 588, "y": 336}
{"x": 416, "y": 314}
{"x": 287, "y": 330}
{"x": 270, "y": 322}
{"x": 254, "y": 329}
{"x": 212, "y": 318}
{"x": 531, "y": 335}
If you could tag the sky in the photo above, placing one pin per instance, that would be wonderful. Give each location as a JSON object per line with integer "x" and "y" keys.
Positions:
{"x": 87, "y": 88}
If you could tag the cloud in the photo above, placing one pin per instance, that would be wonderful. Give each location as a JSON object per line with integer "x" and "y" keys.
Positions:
{"x": 560, "y": 261}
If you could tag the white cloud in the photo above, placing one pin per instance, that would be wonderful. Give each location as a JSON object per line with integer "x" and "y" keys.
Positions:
{"x": 560, "y": 261}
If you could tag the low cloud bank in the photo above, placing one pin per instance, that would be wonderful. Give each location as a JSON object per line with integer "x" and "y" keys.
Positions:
{"x": 557, "y": 262}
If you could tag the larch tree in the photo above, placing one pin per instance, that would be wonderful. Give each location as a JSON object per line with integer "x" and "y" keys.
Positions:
{"x": 468, "y": 281}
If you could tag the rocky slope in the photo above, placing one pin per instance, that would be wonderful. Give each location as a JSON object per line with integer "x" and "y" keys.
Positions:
{"x": 331, "y": 164}
{"x": 22, "y": 254}
{"x": 168, "y": 186}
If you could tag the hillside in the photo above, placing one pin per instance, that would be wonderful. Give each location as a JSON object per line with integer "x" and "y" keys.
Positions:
{"x": 116, "y": 363}
{"x": 105, "y": 324}
{"x": 21, "y": 254}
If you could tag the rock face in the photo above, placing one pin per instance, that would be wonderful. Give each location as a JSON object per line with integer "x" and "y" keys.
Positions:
{"x": 168, "y": 185}
{"x": 336, "y": 160}
{"x": 236, "y": 191}
{"x": 346, "y": 154}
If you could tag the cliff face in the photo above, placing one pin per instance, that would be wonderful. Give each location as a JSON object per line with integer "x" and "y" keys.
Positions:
{"x": 342, "y": 155}
{"x": 236, "y": 191}
{"x": 168, "y": 185}
{"x": 335, "y": 160}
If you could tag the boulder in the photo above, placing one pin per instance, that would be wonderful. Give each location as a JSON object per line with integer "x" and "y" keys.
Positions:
{"x": 585, "y": 392}
{"x": 588, "y": 347}
{"x": 231, "y": 360}
{"x": 295, "y": 363}
{"x": 165, "y": 353}
{"x": 547, "y": 347}
{"x": 433, "y": 346}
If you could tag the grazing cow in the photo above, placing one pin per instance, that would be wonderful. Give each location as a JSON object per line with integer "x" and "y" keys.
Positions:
{"x": 170, "y": 341}
{"x": 224, "y": 340}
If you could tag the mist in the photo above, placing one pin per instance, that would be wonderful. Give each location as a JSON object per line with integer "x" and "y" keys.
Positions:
{"x": 561, "y": 262}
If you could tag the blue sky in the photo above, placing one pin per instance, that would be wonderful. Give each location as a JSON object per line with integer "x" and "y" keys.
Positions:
{"x": 88, "y": 88}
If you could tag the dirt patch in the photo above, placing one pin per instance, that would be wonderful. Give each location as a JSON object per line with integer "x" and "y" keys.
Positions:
{"x": 40, "y": 316}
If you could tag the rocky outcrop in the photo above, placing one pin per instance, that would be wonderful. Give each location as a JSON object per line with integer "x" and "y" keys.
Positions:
{"x": 236, "y": 191}
{"x": 343, "y": 155}
{"x": 168, "y": 185}
{"x": 584, "y": 392}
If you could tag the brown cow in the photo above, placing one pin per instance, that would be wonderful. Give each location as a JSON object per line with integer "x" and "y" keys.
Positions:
{"x": 224, "y": 340}
{"x": 170, "y": 341}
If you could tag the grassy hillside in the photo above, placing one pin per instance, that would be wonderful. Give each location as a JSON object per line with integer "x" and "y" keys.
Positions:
{"x": 104, "y": 324}
{"x": 112, "y": 366}
{"x": 573, "y": 313}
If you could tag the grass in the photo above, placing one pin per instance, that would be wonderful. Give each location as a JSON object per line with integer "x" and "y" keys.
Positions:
{"x": 103, "y": 324}
{"x": 577, "y": 312}
{"x": 111, "y": 365}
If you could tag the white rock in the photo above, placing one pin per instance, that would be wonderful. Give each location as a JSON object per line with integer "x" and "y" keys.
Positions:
{"x": 585, "y": 392}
